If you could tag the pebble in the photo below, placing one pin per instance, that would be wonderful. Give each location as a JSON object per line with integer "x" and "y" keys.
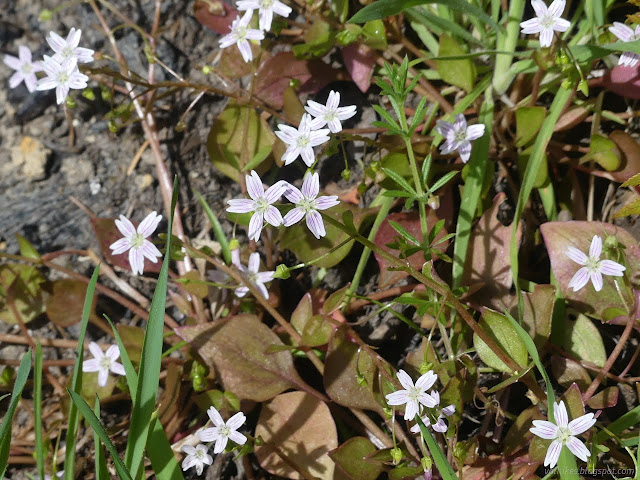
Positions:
{"x": 32, "y": 155}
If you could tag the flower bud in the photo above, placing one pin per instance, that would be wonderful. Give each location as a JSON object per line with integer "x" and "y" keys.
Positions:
{"x": 396, "y": 455}
{"x": 45, "y": 15}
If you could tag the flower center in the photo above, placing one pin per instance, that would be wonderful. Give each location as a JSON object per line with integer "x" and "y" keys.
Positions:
{"x": 224, "y": 431}
{"x": 241, "y": 32}
{"x": 330, "y": 115}
{"x": 266, "y": 4}
{"x": 563, "y": 434}
{"x": 593, "y": 264}
{"x": 547, "y": 21}
{"x": 262, "y": 205}
{"x": 413, "y": 393}
{"x": 105, "y": 363}
{"x": 461, "y": 135}
{"x": 66, "y": 51}
{"x": 307, "y": 204}
{"x": 303, "y": 141}
{"x": 199, "y": 454}
{"x": 26, "y": 68}
{"x": 136, "y": 240}
{"x": 63, "y": 77}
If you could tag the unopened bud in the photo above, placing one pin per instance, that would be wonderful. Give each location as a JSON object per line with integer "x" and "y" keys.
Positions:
{"x": 282, "y": 271}
{"x": 396, "y": 455}
{"x": 207, "y": 70}
{"x": 425, "y": 367}
{"x": 45, "y": 15}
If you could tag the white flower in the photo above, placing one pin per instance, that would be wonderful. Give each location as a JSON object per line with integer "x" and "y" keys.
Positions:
{"x": 266, "y": 9}
{"x": 330, "y": 114}
{"x": 458, "y": 136}
{"x": 593, "y": 268}
{"x": 441, "y": 424}
{"x": 62, "y": 77}
{"x": 69, "y": 48}
{"x": 222, "y": 432}
{"x": 626, "y": 34}
{"x": 546, "y": 21}
{"x": 196, "y": 457}
{"x": 240, "y": 35}
{"x": 25, "y": 69}
{"x": 258, "y": 279}
{"x": 136, "y": 241}
{"x": 300, "y": 141}
{"x": 308, "y": 203}
{"x": 260, "y": 204}
{"x": 413, "y": 395}
{"x": 563, "y": 433}
{"x": 103, "y": 363}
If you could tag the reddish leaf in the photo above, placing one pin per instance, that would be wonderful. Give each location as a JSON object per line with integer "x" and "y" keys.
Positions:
{"x": 568, "y": 372}
{"x": 26, "y": 287}
{"x": 488, "y": 258}
{"x": 238, "y": 348}
{"x": 360, "y": 60}
{"x": 558, "y": 236}
{"x": 64, "y": 306}
{"x": 216, "y": 14}
{"x": 277, "y": 72}
{"x": 624, "y": 81}
{"x": 496, "y": 467}
{"x": 538, "y": 311}
{"x": 630, "y": 149}
{"x": 410, "y": 221}
{"x": 302, "y": 429}
{"x": 607, "y": 398}
{"x": 107, "y": 233}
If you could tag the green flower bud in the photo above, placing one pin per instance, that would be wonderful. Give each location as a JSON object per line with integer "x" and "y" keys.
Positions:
{"x": 282, "y": 271}
{"x": 396, "y": 455}
{"x": 346, "y": 174}
{"x": 425, "y": 367}
{"x": 207, "y": 70}
{"x": 45, "y": 15}
{"x": 88, "y": 94}
{"x": 427, "y": 463}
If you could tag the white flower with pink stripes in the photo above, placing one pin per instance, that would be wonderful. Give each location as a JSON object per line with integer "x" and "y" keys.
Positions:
{"x": 593, "y": 268}
{"x": 563, "y": 433}
{"x": 240, "y": 34}
{"x": 308, "y": 203}
{"x": 61, "y": 76}
{"x": 68, "y": 48}
{"x": 300, "y": 141}
{"x": 135, "y": 241}
{"x": 25, "y": 69}
{"x": 103, "y": 362}
{"x": 261, "y": 203}
{"x": 626, "y": 34}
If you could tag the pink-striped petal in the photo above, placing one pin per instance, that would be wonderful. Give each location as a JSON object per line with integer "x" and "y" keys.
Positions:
{"x": 560, "y": 414}
{"x": 582, "y": 424}
{"x": 576, "y": 255}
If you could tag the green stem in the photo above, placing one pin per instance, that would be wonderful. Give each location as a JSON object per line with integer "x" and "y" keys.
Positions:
{"x": 418, "y": 184}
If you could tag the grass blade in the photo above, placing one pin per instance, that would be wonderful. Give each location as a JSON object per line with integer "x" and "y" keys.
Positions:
{"x": 101, "y": 461}
{"x": 5, "y": 428}
{"x": 446, "y": 472}
{"x": 87, "y": 413}
{"x": 37, "y": 408}
{"x": 472, "y": 190}
{"x": 76, "y": 381}
{"x": 149, "y": 374}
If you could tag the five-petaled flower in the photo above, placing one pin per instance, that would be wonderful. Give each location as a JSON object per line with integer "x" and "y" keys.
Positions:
{"x": 240, "y": 34}
{"x": 25, "y": 69}
{"x": 260, "y": 203}
{"x": 546, "y": 21}
{"x": 300, "y": 141}
{"x": 69, "y": 48}
{"x": 626, "y": 34}
{"x": 252, "y": 275}
{"x": 196, "y": 457}
{"x": 266, "y": 9}
{"x": 308, "y": 203}
{"x": 330, "y": 114}
{"x": 221, "y": 432}
{"x": 458, "y": 136}
{"x": 563, "y": 433}
{"x": 413, "y": 395}
{"x": 593, "y": 268}
{"x": 103, "y": 363}
{"x": 61, "y": 76}
{"x": 136, "y": 241}
{"x": 440, "y": 424}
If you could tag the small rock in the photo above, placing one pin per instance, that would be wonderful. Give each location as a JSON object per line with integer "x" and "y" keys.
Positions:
{"x": 32, "y": 155}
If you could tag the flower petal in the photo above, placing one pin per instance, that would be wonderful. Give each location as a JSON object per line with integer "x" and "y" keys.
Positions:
{"x": 293, "y": 216}
{"x": 553, "y": 454}
{"x": 622, "y": 31}
{"x": 425, "y": 382}
{"x": 578, "y": 449}
{"x": 582, "y": 424}
{"x": 560, "y": 414}
{"x": 273, "y": 216}
{"x": 311, "y": 185}
{"x": 238, "y": 438}
{"x": 531, "y": 26}
{"x": 411, "y": 410}
{"x": 327, "y": 201}
{"x": 397, "y": 398}
{"x": 576, "y": 255}
{"x": 293, "y": 194}
{"x": 475, "y": 131}
{"x": 556, "y": 8}
{"x": 113, "y": 352}
{"x": 315, "y": 224}
{"x": 95, "y": 350}
{"x": 544, "y": 429}
{"x": 103, "y": 376}
{"x": 405, "y": 379}
{"x": 118, "y": 368}
{"x": 235, "y": 422}
{"x": 254, "y": 263}
{"x": 596, "y": 279}
{"x": 546, "y": 37}
{"x": 208, "y": 434}
{"x": 595, "y": 249}
{"x": 90, "y": 365}
{"x": 136, "y": 261}
{"x": 125, "y": 226}
{"x": 215, "y": 416}
{"x": 149, "y": 224}
{"x": 580, "y": 279}
{"x": 609, "y": 267}
{"x": 255, "y": 226}
{"x": 241, "y": 205}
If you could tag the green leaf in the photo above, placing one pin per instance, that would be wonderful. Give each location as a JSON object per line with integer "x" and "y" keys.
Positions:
{"x": 26, "y": 249}
{"x": 387, "y": 8}
{"x": 238, "y": 137}
{"x": 350, "y": 457}
{"x": 440, "y": 460}
{"x": 631, "y": 208}
{"x": 461, "y": 73}
{"x": 149, "y": 374}
{"x": 87, "y": 413}
{"x": 101, "y": 461}
{"x": 41, "y": 452}
{"x": 603, "y": 151}
{"x": 400, "y": 181}
{"x": 583, "y": 341}
{"x": 437, "y": 25}
{"x": 528, "y": 123}
{"x": 334, "y": 301}
{"x": 633, "y": 181}
{"x": 5, "y": 428}
{"x": 588, "y": 53}
{"x": 506, "y": 337}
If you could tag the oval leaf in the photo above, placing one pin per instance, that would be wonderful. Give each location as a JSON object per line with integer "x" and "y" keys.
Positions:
{"x": 302, "y": 429}
{"x": 237, "y": 348}
{"x": 502, "y": 332}
{"x": 64, "y": 306}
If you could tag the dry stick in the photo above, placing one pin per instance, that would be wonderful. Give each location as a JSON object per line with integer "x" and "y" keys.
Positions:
{"x": 612, "y": 358}
{"x": 390, "y": 292}
{"x": 46, "y": 342}
{"x": 70, "y": 363}
{"x": 151, "y": 133}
